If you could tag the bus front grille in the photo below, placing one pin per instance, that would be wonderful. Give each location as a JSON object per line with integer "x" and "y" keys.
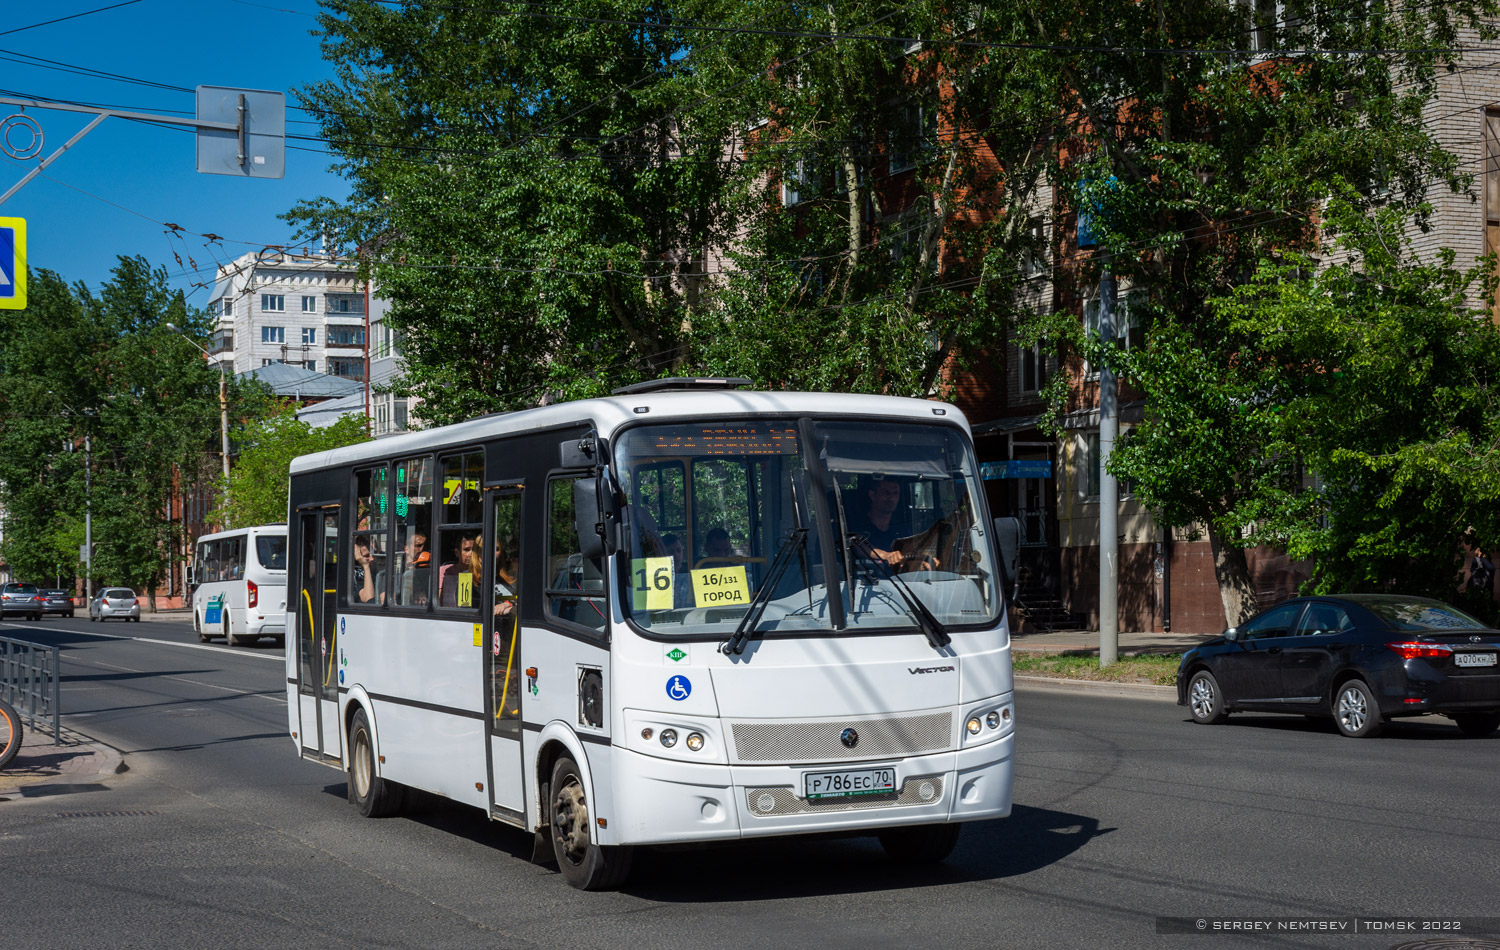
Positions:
{"x": 778, "y": 801}
{"x": 812, "y": 742}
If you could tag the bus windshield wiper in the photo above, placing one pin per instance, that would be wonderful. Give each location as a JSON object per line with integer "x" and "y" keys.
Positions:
{"x": 931, "y": 627}
{"x": 795, "y": 542}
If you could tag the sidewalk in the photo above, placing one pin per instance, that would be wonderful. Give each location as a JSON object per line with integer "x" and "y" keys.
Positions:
{"x": 1087, "y": 641}
{"x": 42, "y": 768}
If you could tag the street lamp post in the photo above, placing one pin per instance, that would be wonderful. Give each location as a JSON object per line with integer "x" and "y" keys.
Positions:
{"x": 88, "y": 504}
{"x": 223, "y": 401}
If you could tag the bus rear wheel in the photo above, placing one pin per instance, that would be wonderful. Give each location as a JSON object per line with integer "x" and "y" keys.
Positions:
{"x": 374, "y": 796}
{"x": 920, "y": 844}
{"x": 586, "y": 865}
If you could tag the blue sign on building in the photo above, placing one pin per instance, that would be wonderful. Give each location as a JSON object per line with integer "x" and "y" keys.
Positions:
{"x": 1016, "y": 468}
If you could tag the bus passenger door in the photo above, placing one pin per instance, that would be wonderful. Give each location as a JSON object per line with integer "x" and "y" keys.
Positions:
{"x": 504, "y": 680}
{"x": 316, "y": 636}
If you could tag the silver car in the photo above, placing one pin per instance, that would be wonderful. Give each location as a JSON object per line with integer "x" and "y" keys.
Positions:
{"x": 115, "y": 603}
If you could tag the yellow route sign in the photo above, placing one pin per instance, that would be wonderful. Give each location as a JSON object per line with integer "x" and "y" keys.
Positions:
{"x": 12, "y": 263}
{"x": 721, "y": 586}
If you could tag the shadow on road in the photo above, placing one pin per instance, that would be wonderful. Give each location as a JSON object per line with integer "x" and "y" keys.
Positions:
{"x": 1424, "y": 728}
{"x": 778, "y": 868}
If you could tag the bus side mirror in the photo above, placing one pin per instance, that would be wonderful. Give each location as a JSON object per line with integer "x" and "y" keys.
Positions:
{"x": 1008, "y": 545}
{"x": 596, "y": 514}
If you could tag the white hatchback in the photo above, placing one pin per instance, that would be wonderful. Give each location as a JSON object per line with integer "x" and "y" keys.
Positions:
{"x": 115, "y": 603}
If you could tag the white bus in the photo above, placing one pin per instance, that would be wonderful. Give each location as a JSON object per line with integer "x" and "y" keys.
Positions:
{"x": 660, "y": 617}
{"x": 240, "y": 585}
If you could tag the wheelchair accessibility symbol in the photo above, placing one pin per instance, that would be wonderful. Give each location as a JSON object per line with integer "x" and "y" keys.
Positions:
{"x": 679, "y": 688}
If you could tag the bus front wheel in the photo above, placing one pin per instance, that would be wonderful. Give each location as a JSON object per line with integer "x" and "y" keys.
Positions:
{"x": 920, "y": 844}
{"x": 374, "y": 796}
{"x": 586, "y": 865}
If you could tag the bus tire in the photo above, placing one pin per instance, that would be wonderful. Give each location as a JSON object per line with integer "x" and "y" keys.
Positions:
{"x": 586, "y": 865}
{"x": 920, "y": 844}
{"x": 374, "y": 796}
{"x": 198, "y": 628}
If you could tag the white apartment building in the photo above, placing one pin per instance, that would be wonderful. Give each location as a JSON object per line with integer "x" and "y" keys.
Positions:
{"x": 302, "y": 310}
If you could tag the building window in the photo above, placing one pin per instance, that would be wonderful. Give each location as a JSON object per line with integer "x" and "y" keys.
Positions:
{"x": 345, "y": 303}
{"x": 799, "y": 183}
{"x": 912, "y": 135}
{"x": 223, "y": 341}
{"x": 1130, "y": 325}
{"x": 309, "y": 304}
{"x": 272, "y": 362}
{"x": 309, "y": 334}
{"x": 1086, "y": 477}
{"x": 1034, "y": 255}
{"x": 312, "y": 365}
{"x": 346, "y": 368}
{"x": 1035, "y": 367}
{"x": 273, "y": 303}
{"x": 346, "y": 336}
{"x": 273, "y": 334}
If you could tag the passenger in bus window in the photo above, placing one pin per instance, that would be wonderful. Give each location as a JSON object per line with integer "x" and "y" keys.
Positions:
{"x": 364, "y": 572}
{"x": 506, "y": 587}
{"x": 716, "y": 544}
{"x": 675, "y": 551}
{"x": 452, "y": 591}
{"x": 414, "y": 582}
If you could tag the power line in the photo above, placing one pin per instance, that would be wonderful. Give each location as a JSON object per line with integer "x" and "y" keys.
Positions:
{"x": 74, "y": 16}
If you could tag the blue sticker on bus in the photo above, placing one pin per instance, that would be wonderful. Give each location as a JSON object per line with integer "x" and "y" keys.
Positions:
{"x": 679, "y": 688}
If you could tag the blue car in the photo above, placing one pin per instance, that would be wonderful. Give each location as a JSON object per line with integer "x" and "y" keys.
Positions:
{"x": 1360, "y": 659}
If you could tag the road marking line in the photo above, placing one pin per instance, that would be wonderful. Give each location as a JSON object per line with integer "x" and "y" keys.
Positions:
{"x": 273, "y": 697}
{"x": 170, "y": 643}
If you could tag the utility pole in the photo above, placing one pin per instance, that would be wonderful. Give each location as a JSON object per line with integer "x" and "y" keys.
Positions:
{"x": 88, "y": 519}
{"x": 1109, "y": 489}
{"x": 223, "y": 400}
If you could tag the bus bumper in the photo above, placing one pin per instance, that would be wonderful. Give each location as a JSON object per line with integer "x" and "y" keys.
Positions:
{"x": 660, "y": 801}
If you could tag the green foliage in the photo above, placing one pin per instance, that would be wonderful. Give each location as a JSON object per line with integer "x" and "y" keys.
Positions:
{"x": 77, "y": 365}
{"x": 557, "y": 205}
{"x": 259, "y": 482}
{"x": 1345, "y": 413}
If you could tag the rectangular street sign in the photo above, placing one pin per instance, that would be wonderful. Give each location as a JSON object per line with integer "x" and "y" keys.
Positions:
{"x": 12, "y": 263}
{"x": 1016, "y": 468}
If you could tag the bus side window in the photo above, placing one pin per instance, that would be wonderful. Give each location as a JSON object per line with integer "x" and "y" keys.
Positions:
{"x": 367, "y": 561}
{"x": 575, "y": 584}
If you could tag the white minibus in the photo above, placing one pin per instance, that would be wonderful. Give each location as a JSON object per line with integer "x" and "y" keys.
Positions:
{"x": 680, "y": 614}
{"x": 240, "y": 585}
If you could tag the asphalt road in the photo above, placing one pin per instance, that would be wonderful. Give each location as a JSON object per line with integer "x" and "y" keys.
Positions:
{"x": 218, "y": 835}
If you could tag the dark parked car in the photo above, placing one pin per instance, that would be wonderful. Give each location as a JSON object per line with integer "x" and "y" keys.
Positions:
{"x": 1360, "y": 658}
{"x": 56, "y": 601}
{"x": 21, "y": 599}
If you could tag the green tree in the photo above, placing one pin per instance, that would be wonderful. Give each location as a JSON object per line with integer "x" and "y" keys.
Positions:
{"x": 259, "y": 482}
{"x": 1344, "y": 413}
{"x": 101, "y": 367}
{"x": 1203, "y": 169}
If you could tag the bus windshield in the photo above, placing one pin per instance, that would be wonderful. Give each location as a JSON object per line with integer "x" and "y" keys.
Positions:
{"x": 722, "y": 513}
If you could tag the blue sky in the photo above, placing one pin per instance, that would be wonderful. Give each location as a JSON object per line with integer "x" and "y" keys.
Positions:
{"x": 116, "y": 190}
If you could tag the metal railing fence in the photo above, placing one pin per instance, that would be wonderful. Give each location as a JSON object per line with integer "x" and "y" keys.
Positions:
{"x": 29, "y": 681}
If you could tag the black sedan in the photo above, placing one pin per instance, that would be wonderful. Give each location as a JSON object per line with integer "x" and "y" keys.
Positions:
{"x": 1360, "y": 658}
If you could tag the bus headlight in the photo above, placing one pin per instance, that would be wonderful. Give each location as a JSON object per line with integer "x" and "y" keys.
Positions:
{"x": 993, "y": 719}
{"x": 669, "y": 737}
{"x": 988, "y": 722}
{"x": 695, "y": 741}
{"x": 974, "y": 726}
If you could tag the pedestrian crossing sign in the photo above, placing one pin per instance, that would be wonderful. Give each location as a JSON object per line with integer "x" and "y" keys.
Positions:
{"x": 12, "y": 263}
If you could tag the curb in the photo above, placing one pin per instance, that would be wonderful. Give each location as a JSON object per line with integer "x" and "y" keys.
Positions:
{"x": 43, "y": 768}
{"x": 1103, "y": 687}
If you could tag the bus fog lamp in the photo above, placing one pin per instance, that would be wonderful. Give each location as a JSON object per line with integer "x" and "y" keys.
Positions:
{"x": 974, "y": 726}
{"x": 669, "y": 737}
{"x": 694, "y": 741}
